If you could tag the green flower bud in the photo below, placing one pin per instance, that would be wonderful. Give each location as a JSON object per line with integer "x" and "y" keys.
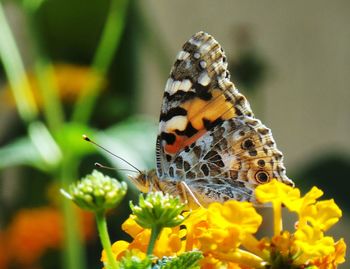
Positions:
{"x": 130, "y": 261}
{"x": 96, "y": 192}
{"x": 158, "y": 209}
{"x": 188, "y": 260}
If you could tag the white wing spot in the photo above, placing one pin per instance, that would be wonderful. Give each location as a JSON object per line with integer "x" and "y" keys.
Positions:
{"x": 203, "y": 64}
{"x": 169, "y": 85}
{"x": 196, "y": 55}
{"x": 204, "y": 79}
{"x": 176, "y": 122}
{"x": 195, "y": 42}
{"x": 182, "y": 55}
{"x": 172, "y": 86}
{"x": 207, "y": 46}
{"x": 161, "y": 126}
{"x": 185, "y": 85}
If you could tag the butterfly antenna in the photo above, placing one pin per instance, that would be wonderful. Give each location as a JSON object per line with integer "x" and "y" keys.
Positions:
{"x": 86, "y": 138}
{"x": 112, "y": 168}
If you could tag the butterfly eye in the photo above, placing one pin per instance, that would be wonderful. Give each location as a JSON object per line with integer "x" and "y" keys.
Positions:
{"x": 262, "y": 177}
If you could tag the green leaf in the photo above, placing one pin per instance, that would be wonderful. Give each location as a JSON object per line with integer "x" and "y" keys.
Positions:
{"x": 44, "y": 143}
{"x": 21, "y": 152}
{"x": 32, "y": 5}
{"x": 42, "y": 151}
{"x": 70, "y": 138}
{"x": 187, "y": 260}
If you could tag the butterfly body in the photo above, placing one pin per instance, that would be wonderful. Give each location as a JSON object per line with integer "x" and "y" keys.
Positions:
{"x": 209, "y": 140}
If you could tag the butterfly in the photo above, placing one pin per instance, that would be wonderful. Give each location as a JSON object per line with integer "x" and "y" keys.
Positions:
{"x": 210, "y": 147}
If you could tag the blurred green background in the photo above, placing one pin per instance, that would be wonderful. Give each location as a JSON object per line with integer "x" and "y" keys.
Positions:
{"x": 74, "y": 67}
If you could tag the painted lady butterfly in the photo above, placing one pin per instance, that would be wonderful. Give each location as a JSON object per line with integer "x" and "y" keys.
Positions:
{"x": 210, "y": 147}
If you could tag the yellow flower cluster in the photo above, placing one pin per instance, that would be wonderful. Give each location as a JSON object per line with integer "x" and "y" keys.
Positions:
{"x": 308, "y": 245}
{"x": 221, "y": 230}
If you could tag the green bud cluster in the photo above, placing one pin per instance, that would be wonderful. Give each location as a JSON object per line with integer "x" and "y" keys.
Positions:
{"x": 188, "y": 260}
{"x": 96, "y": 192}
{"x": 130, "y": 261}
{"x": 158, "y": 209}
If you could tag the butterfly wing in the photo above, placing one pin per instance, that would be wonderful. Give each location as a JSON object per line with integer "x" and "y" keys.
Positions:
{"x": 198, "y": 96}
{"x": 208, "y": 136}
{"x": 229, "y": 161}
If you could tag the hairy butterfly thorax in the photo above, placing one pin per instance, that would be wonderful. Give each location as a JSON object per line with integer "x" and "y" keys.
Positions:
{"x": 210, "y": 147}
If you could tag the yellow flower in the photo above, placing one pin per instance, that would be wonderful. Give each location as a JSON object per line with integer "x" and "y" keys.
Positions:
{"x": 169, "y": 242}
{"x": 74, "y": 80}
{"x": 308, "y": 243}
{"x": 276, "y": 192}
{"x": 141, "y": 240}
{"x": 195, "y": 221}
{"x": 216, "y": 239}
{"x": 221, "y": 230}
{"x": 235, "y": 214}
{"x": 322, "y": 215}
{"x": 216, "y": 231}
{"x": 338, "y": 256}
{"x": 312, "y": 244}
{"x": 241, "y": 258}
{"x": 221, "y": 226}
{"x": 331, "y": 261}
{"x": 299, "y": 204}
{"x": 209, "y": 262}
{"x": 284, "y": 244}
{"x": 70, "y": 80}
{"x": 131, "y": 227}
{"x": 118, "y": 249}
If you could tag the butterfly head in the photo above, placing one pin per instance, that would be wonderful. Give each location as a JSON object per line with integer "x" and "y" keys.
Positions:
{"x": 146, "y": 181}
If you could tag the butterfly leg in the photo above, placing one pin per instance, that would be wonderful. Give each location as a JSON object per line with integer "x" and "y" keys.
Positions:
{"x": 181, "y": 189}
{"x": 189, "y": 196}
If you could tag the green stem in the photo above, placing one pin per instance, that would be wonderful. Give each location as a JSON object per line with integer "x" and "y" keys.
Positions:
{"x": 104, "y": 237}
{"x": 73, "y": 254}
{"x": 45, "y": 75}
{"x": 154, "y": 235}
{"x": 15, "y": 72}
{"x": 53, "y": 110}
{"x": 106, "y": 49}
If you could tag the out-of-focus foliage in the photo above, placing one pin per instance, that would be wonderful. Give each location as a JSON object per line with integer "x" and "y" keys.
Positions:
{"x": 69, "y": 80}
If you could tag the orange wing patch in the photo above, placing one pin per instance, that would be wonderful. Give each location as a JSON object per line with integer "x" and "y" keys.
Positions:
{"x": 201, "y": 116}
{"x": 182, "y": 141}
{"x": 200, "y": 111}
